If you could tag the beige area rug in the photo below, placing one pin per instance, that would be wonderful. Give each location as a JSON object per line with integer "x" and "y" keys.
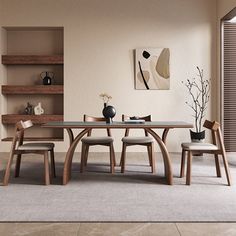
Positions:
{"x": 136, "y": 195}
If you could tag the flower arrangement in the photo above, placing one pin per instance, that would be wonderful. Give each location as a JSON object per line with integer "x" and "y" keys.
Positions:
{"x": 199, "y": 90}
{"x": 105, "y": 97}
{"x": 108, "y": 111}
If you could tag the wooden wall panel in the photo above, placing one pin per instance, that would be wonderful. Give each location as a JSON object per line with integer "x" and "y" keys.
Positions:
{"x": 229, "y": 86}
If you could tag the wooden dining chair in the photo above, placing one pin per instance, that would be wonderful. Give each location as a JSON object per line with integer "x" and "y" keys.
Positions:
{"x": 96, "y": 140}
{"x": 141, "y": 140}
{"x": 217, "y": 148}
{"x": 19, "y": 147}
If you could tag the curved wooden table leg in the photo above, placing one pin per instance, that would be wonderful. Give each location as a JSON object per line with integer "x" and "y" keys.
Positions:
{"x": 164, "y": 135}
{"x": 69, "y": 155}
{"x": 165, "y": 154}
{"x": 71, "y": 138}
{"x": 71, "y": 135}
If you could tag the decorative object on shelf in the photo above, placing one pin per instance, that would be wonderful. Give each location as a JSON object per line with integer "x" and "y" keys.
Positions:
{"x": 108, "y": 111}
{"x": 29, "y": 109}
{"x": 152, "y": 68}
{"x": 47, "y": 77}
{"x": 199, "y": 90}
{"x": 38, "y": 110}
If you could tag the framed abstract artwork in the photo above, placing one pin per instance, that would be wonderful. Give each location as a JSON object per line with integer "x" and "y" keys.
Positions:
{"x": 152, "y": 68}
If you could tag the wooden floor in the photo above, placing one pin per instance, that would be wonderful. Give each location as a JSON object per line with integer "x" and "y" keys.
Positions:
{"x": 115, "y": 229}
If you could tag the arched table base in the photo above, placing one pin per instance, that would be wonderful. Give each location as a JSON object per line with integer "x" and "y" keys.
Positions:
{"x": 161, "y": 140}
{"x": 165, "y": 154}
{"x": 70, "y": 153}
{"x": 164, "y": 135}
{"x": 71, "y": 135}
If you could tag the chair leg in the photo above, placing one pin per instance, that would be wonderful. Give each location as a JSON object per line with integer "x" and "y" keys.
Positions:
{"x": 112, "y": 170}
{"x": 8, "y": 170}
{"x": 53, "y": 169}
{"x": 114, "y": 156}
{"x": 46, "y": 167}
{"x": 149, "y": 151}
{"x": 86, "y": 152}
{"x": 182, "y": 163}
{"x": 218, "y": 172}
{"x": 17, "y": 168}
{"x": 82, "y": 160}
{"x": 152, "y": 156}
{"x": 226, "y": 165}
{"x": 189, "y": 167}
{"x": 123, "y": 158}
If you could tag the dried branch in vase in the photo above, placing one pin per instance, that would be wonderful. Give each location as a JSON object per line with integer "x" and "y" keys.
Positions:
{"x": 199, "y": 90}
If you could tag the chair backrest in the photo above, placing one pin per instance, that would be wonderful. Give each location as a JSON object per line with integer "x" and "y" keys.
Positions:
{"x": 217, "y": 137}
{"x": 19, "y": 133}
{"x": 95, "y": 119}
{"x": 146, "y": 118}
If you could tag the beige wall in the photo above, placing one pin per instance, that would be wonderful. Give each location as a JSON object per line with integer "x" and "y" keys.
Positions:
{"x": 224, "y": 7}
{"x": 99, "y": 39}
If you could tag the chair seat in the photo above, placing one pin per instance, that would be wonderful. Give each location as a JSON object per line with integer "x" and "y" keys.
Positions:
{"x": 199, "y": 146}
{"x": 137, "y": 140}
{"x": 97, "y": 140}
{"x": 37, "y": 146}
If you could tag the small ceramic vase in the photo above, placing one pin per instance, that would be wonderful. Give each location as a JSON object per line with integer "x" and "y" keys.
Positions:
{"x": 38, "y": 110}
{"x": 28, "y": 109}
{"x": 47, "y": 77}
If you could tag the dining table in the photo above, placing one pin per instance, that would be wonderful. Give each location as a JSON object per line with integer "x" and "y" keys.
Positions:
{"x": 86, "y": 127}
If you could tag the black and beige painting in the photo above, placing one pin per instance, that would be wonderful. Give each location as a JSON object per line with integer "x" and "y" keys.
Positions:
{"x": 152, "y": 68}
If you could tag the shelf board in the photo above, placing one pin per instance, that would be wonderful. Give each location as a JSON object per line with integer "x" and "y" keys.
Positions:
{"x": 56, "y": 139}
{"x": 36, "y": 119}
{"x": 32, "y": 59}
{"x": 37, "y": 89}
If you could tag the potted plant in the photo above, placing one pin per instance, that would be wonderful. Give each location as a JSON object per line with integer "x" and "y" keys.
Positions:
{"x": 199, "y": 90}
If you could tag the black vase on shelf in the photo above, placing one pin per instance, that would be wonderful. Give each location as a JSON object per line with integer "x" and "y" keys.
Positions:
{"x": 108, "y": 112}
{"x": 47, "y": 77}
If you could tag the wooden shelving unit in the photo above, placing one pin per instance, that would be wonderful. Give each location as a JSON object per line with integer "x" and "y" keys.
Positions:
{"x": 40, "y": 119}
{"x": 26, "y": 59}
{"x": 37, "y": 89}
{"x": 32, "y": 59}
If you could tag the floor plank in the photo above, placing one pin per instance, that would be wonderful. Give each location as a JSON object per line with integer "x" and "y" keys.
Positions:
{"x": 207, "y": 229}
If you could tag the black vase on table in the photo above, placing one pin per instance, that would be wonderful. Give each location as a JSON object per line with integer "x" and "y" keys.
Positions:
{"x": 108, "y": 112}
